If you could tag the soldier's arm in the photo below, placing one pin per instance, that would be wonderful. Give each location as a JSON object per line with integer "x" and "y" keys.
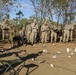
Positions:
{"x": 72, "y": 27}
{"x": 37, "y": 26}
{"x": 51, "y": 27}
{"x": 45, "y": 22}
{"x": 41, "y": 28}
{"x": 32, "y": 25}
{"x": 1, "y": 24}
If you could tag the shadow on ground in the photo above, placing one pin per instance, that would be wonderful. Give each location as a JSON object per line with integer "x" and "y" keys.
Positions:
{"x": 8, "y": 65}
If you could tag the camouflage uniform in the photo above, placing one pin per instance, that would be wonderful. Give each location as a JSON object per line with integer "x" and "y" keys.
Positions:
{"x": 3, "y": 26}
{"x": 60, "y": 36}
{"x": 44, "y": 30}
{"x": 34, "y": 32}
{"x": 21, "y": 34}
{"x": 71, "y": 32}
{"x": 66, "y": 33}
{"x": 28, "y": 32}
{"x": 11, "y": 36}
{"x": 53, "y": 33}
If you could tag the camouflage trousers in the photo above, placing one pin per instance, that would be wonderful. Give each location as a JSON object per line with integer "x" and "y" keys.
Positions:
{"x": 66, "y": 36}
{"x": 44, "y": 37}
{"x": 53, "y": 36}
{"x": 33, "y": 37}
{"x": 71, "y": 35}
{"x": 28, "y": 36}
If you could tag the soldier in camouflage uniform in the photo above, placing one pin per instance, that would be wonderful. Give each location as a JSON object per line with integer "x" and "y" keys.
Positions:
{"x": 44, "y": 30}
{"x": 53, "y": 29}
{"x": 66, "y": 32}
{"x": 11, "y": 35}
{"x": 34, "y": 32}
{"x": 4, "y": 25}
{"x": 71, "y": 31}
{"x": 21, "y": 34}
{"x": 59, "y": 31}
{"x": 28, "y": 32}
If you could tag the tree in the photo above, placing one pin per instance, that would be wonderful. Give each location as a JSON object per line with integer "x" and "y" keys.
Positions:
{"x": 19, "y": 15}
{"x": 23, "y": 22}
{"x": 7, "y": 16}
{"x": 63, "y": 10}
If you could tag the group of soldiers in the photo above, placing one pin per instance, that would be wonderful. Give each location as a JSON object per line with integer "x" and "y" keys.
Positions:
{"x": 34, "y": 33}
{"x": 46, "y": 33}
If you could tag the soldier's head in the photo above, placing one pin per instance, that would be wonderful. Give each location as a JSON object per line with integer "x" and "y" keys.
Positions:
{"x": 34, "y": 20}
{"x": 69, "y": 23}
{"x": 5, "y": 21}
{"x": 52, "y": 23}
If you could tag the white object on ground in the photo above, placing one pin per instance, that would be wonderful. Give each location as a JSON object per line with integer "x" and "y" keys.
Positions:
{"x": 67, "y": 50}
{"x": 2, "y": 50}
{"x": 54, "y": 56}
{"x": 69, "y": 56}
{"x": 53, "y": 44}
{"x": 41, "y": 61}
{"x": 32, "y": 59}
{"x": 51, "y": 65}
{"x": 75, "y": 49}
{"x": 58, "y": 52}
{"x": 71, "y": 53}
{"x": 44, "y": 50}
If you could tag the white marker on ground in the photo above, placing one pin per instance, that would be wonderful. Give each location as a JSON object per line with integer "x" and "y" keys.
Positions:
{"x": 58, "y": 52}
{"x": 53, "y": 44}
{"x": 51, "y": 65}
{"x": 75, "y": 49}
{"x": 67, "y": 50}
{"x": 69, "y": 56}
{"x": 32, "y": 59}
{"x": 71, "y": 53}
{"x": 54, "y": 56}
{"x": 44, "y": 50}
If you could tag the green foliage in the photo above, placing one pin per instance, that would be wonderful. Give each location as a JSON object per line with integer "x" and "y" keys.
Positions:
{"x": 19, "y": 13}
{"x": 7, "y": 16}
{"x": 5, "y": 1}
{"x": 23, "y": 22}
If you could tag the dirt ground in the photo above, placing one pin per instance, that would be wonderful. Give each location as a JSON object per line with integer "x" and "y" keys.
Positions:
{"x": 48, "y": 59}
